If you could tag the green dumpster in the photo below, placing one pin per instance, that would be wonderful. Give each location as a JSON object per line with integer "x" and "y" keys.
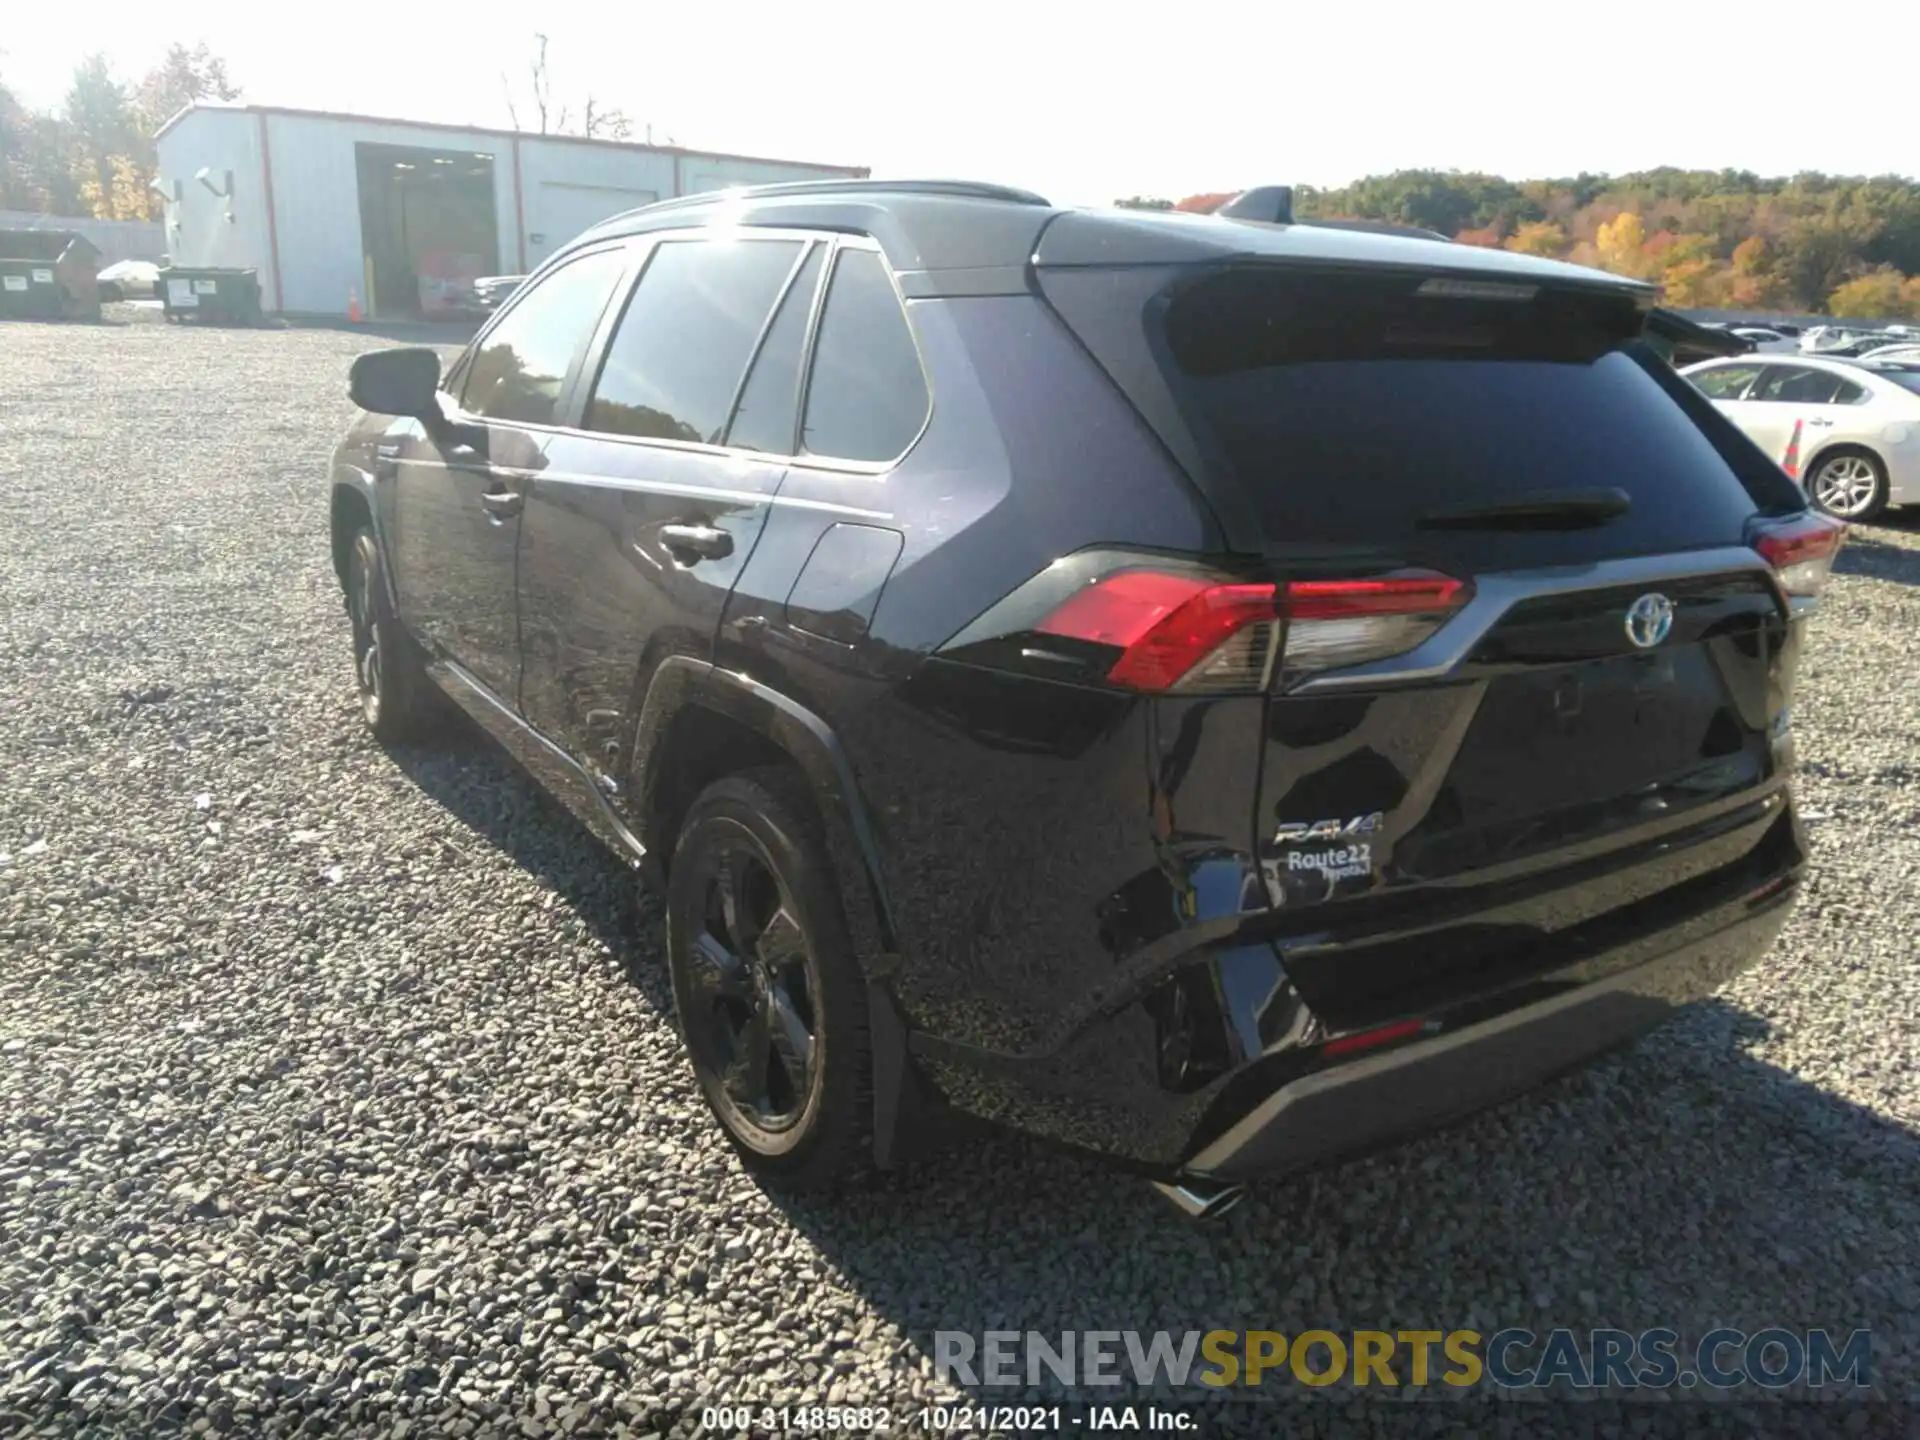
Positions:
{"x": 204, "y": 292}
{"x": 48, "y": 275}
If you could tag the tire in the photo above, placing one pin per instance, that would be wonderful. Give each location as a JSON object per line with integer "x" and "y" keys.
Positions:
{"x": 1849, "y": 484}
{"x": 771, "y": 1002}
{"x": 397, "y": 699}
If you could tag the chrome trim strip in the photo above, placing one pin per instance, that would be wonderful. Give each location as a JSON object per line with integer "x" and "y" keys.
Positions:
{"x": 611, "y": 827}
{"x": 1199, "y": 1198}
{"x": 669, "y": 487}
{"x": 739, "y": 497}
{"x": 1498, "y": 592}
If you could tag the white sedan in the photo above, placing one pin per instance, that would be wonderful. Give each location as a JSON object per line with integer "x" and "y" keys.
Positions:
{"x": 1859, "y": 423}
{"x": 130, "y": 280}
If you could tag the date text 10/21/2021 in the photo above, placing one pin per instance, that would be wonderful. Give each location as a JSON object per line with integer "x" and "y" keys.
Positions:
{"x": 965, "y": 1419}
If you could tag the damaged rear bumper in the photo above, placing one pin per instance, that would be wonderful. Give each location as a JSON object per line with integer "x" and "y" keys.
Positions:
{"x": 1424, "y": 1083}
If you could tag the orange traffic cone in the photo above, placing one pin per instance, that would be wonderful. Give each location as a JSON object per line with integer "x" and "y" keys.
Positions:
{"x": 1791, "y": 462}
{"x": 353, "y": 305}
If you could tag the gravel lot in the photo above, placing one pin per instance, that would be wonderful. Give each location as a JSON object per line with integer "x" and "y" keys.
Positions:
{"x": 333, "y": 1091}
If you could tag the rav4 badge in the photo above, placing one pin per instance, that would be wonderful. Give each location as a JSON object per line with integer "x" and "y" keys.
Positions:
{"x": 1294, "y": 832}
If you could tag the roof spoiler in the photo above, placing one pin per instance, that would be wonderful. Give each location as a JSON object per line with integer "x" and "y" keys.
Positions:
{"x": 1270, "y": 204}
{"x": 1273, "y": 205}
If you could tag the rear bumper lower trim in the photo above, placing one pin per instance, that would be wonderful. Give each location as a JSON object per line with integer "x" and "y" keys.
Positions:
{"x": 1419, "y": 1086}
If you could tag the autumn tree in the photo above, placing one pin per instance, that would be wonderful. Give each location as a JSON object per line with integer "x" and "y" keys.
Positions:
{"x": 181, "y": 78}
{"x": 94, "y": 155}
{"x": 1814, "y": 232}
{"x": 1877, "y": 295}
{"x": 1539, "y": 237}
{"x": 1447, "y": 201}
{"x": 1620, "y": 241}
{"x": 1753, "y": 283}
{"x": 15, "y": 127}
{"x": 102, "y": 125}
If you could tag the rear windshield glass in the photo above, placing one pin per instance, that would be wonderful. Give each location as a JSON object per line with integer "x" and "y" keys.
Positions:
{"x": 1356, "y": 413}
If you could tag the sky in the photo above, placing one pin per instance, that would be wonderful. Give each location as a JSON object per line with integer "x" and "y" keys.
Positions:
{"x": 1085, "y": 103}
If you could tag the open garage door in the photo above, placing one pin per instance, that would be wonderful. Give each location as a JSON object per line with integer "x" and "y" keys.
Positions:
{"x": 427, "y": 227}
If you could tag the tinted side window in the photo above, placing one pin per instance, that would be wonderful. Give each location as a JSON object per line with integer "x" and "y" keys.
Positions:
{"x": 1850, "y": 394}
{"x": 679, "y": 352}
{"x": 1795, "y": 385}
{"x": 1724, "y": 382}
{"x": 763, "y": 420}
{"x": 520, "y": 370}
{"x": 867, "y": 398}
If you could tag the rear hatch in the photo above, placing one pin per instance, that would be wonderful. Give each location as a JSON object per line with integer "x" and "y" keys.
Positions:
{"x": 1531, "y": 672}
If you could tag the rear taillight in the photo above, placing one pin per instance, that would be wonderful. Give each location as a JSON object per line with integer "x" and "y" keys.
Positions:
{"x": 1369, "y": 1039}
{"x": 1801, "y": 551}
{"x": 1349, "y": 622}
{"x": 1164, "y": 627}
{"x": 1173, "y": 631}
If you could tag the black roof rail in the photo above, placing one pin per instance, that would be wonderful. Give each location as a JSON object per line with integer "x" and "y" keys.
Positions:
{"x": 799, "y": 189}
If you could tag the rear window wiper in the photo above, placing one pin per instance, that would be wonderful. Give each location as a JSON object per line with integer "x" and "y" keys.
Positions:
{"x": 1542, "y": 510}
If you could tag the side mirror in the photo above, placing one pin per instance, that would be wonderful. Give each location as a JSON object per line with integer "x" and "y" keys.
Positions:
{"x": 397, "y": 382}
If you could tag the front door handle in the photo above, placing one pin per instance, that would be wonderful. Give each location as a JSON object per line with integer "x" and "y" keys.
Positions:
{"x": 502, "y": 504}
{"x": 690, "y": 544}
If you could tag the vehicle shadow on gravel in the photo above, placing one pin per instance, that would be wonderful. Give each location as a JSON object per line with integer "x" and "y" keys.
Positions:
{"x": 1682, "y": 1182}
{"x": 478, "y": 783}
{"x": 1581, "y": 1205}
{"x": 1867, "y": 554}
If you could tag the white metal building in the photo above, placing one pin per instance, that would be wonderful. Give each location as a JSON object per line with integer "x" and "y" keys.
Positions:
{"x": 396, "y": 213}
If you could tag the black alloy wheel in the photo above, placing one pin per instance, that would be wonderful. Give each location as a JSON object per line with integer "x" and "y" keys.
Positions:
{"x": 363, "y": 610}
{"x": 771, "y": 1001}
{"x": 752, "y": 991}
{"x": 397, "y": 698}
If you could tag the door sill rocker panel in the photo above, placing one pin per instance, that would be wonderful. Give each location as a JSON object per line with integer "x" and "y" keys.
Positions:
{"x": 556, "y": 770}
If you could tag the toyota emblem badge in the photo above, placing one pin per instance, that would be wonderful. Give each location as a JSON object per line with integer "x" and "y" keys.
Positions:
{"x": 1649, "y": 619}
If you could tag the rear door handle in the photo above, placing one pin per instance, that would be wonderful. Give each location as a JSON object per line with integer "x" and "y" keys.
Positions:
{"x": 690, "y": 544}
{"x": 502, "y": 504}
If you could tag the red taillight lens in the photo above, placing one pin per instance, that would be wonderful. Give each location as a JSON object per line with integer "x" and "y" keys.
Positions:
{"x": 1421, "y": 592}
{"x": 1157, "y": 625}
{"x": 1368, "y": 1039}
{"x": 1173, "y": 630}
{"x": 1801, "y": 551}
{"x": 1182, "y": 632}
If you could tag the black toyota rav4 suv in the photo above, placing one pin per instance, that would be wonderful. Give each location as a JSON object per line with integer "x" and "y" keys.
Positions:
{"x": 1214, "y": 693}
